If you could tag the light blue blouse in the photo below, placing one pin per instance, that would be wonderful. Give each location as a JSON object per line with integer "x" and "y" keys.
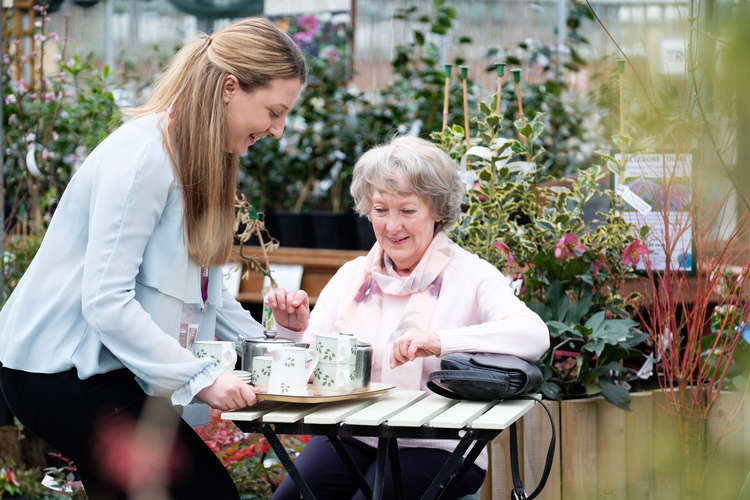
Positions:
{"x": 107, "y": 287}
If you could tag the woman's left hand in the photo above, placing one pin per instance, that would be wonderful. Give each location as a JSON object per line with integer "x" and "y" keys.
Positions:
{"x": 413, "y": 344}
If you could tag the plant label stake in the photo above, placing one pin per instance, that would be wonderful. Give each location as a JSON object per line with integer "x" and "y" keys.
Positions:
{"x": 517, "y": 79}
{"x": 464, "y": 72}
{"x": 500, "y": 73}
{"x": 446, "y": 90}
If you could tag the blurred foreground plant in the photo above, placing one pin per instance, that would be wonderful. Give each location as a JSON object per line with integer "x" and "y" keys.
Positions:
{"x": 248, "y": 457}
{"x": 694, "y": 322}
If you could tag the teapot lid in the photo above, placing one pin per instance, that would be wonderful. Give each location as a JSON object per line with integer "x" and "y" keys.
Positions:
{"x": 266, "y": 340}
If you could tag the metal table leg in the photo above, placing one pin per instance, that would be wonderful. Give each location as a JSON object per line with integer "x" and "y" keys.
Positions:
{"x": 286, "y": 461}
{"x": 438, "y": 485}
{"x": 347, "y": 459}
{"x": 470, "y": 457}
{"x": 378, "y": 484}
{"x": 395, "y": 456}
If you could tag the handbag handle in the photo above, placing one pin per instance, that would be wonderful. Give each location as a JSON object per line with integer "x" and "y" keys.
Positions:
{"x": 465, "y": 376}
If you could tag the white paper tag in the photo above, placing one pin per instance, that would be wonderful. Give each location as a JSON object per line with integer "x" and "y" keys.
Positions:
{"x": 633, "y": 199}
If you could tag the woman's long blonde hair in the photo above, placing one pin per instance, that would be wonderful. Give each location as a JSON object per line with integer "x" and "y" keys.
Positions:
{"x": 255, "y": 51}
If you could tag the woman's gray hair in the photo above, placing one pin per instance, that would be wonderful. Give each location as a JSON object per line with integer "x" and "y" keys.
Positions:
{"x": 428, "y": 171}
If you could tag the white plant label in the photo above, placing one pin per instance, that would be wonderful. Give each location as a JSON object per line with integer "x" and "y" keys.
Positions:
{"x": 633, "y": 199}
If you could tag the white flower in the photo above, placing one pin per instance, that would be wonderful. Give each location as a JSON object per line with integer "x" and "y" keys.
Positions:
{"x": 10, "y": 99}
{"x": 31, "y": 161}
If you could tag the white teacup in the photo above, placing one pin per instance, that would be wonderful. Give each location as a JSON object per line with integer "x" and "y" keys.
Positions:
{"x": 291, "y": 368}
{"x": 261, "y": 370}
{"x": 338, "y": 376}
{"x": 336, "y": 348}
{"x": 222, "y": 353}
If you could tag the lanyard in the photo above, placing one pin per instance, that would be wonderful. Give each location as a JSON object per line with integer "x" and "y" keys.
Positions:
{"x": 204, "y": 286}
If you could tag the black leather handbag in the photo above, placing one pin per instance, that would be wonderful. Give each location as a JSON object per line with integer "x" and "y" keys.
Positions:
{"x": 484, "y": 377}
{"x": 487, "y": 377}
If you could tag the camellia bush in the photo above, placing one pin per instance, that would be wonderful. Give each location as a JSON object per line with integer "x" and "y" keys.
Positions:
{"x": 561, "y": 242}
{"x": 49, "y": 126}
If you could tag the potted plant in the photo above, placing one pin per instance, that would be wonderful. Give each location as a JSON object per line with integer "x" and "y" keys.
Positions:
{"x": 537, "y": 234}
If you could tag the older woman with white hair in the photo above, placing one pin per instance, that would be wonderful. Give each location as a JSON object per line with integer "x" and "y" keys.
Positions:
{"x": 415, "y": 297}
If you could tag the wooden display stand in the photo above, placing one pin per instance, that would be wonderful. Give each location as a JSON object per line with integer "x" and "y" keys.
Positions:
{"x": 319, "y": 266}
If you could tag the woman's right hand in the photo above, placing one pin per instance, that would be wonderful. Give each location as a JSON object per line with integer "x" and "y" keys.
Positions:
{"x": 291, "y": 309}
{"x": 228, "y": 393}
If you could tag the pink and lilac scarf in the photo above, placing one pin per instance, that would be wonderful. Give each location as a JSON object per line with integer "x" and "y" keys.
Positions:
{"x": 362, "y": 315}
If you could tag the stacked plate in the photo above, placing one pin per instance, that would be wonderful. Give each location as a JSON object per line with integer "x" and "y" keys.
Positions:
{"x": 243, "y": 375}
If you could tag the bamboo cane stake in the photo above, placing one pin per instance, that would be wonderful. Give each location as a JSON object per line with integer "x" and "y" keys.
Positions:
{"x": 517, "y": 79}
{"x": 464, "y": 73}
{"x": 446, "y": 90}
{"x": 621, "y": 71}
{"x": 500, "y": 74}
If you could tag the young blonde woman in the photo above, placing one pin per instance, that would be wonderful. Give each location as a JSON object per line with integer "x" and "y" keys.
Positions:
{"x": 91, "y": 335}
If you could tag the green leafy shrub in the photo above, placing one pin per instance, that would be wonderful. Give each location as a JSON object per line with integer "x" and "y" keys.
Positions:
{"x": 561, "y": 256}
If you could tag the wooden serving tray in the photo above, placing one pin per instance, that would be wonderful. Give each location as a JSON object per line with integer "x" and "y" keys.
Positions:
{"x": 320, "y": 395}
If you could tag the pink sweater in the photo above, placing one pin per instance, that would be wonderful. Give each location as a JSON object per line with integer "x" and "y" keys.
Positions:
{"x": 476, "y": 311}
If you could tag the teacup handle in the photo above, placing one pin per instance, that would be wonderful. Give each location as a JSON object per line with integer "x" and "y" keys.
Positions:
{"x": 229, "y": 357}
{"x": 312, "y": 359}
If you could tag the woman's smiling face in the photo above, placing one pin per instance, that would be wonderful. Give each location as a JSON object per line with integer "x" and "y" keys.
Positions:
{"x": 404, "y": 226}
{"x": 251, "y": 116}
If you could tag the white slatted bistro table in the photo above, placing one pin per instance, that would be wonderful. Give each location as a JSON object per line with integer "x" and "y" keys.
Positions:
{"x": 396, "y": 414}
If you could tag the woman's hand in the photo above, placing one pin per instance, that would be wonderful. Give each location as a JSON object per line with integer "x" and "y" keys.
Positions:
{"x": 228, "y": 393}
{"x": 290, "y": 309}
{"x": 413, "y": 344}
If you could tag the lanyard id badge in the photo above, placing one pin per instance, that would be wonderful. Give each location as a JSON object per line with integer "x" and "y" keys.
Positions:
{"x": 192, "y": 315}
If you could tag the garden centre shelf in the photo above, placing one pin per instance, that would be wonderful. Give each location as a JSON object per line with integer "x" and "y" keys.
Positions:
{"x": 319, "y": 265}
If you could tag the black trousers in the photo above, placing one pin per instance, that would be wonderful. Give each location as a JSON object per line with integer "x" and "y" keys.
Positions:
{"x": 330, "y": 479}
{"x": 85, "y": 419}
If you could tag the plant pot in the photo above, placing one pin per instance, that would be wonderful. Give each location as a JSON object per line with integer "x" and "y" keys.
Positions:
{"x": 292, "y": 229}
{"x": 365, "y": 234}
{"x": 335, "y": 231}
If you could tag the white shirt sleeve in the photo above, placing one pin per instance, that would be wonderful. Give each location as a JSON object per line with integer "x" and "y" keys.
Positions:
{"x": 127, "y": 199}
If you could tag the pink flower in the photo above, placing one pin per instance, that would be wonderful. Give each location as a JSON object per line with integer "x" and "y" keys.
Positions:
{"x": 632, "y": 254}
{"x": 303, "y": 37}
{"x": 504, "y": 252}
{"x": 568, "y": 247}
{"x": 331, "y": 52}
{"x": 10, "y": 99}
{"x": 309, "y": 23}
{"x": 481, "y": 197}
{"x": 597, "y": 266}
